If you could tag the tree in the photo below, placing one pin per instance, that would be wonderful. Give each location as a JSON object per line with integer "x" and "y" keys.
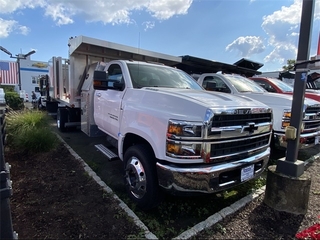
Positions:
{"x": 290, "y": 65}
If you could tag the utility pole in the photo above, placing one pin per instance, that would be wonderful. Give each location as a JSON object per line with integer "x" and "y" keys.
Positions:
{"x": 18, "y": 57}
{"x": 288, "y": 186}
{"x": 291, "y": 166}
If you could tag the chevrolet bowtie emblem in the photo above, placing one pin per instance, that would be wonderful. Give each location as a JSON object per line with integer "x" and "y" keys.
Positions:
{"x": 250, "y": 127}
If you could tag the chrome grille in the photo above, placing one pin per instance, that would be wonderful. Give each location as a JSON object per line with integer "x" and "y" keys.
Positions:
{"x": 232, "y": 139}
{"x": 240, "y": 119}
{"x": 313, "y": 109}
{"x": 312, "y": 118}
{"x": 236, "y": 149}
{"x": 238, "y": 145}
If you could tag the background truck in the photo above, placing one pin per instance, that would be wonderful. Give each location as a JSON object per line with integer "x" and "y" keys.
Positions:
{"x": 2, "y": 97}
{"x": 277, "y": 86}
{"x": 281, "y": 105}
{"x": 170, "y": 133}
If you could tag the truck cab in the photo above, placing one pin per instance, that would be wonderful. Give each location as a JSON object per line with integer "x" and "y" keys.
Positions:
{"x": 281, "y": 105}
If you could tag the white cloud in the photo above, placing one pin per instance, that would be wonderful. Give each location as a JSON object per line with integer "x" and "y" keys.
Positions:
{"x": 9, "y": 26}
{"x": 24, "y": 30}
{"x": 6, "y": 27}
{"x": 10, "y": 6}
{"x": 281, "y": 54}
{"x": 247, "y": 46}
{"x": 63, "y": 12}
{"x": 60, "y": 13}
{"x": 282, "y": 30}
{"x": 148, "y": 25}
{"x": 165, "y": 9}
{"x": 118, "y": 12}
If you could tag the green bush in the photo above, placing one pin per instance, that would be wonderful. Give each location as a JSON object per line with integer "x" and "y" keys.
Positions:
{"x": 28, "y": 131}
{"x": 14, "y": 101}
{"x": 7, "y": 88}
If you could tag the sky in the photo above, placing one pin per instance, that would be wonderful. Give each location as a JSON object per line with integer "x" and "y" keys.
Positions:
{"x": 264, "y": 31}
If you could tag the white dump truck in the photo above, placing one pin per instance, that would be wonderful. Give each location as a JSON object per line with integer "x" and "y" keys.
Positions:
{"x": 280, "y": 103}
{"x": 169, "y": 132}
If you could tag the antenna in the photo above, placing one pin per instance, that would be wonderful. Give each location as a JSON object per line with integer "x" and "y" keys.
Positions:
{"x": 139, "y": 43}
{"x": 138, "y": 56}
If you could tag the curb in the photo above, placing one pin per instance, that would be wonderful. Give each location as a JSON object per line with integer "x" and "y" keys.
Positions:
{"x": 91, "y": 173}
{"x": 196, "y": 229}
{"x": 210, "y": 221}
{"x": 217, "y": 217}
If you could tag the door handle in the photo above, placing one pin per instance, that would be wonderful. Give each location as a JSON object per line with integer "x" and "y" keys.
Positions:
{"x": 98, "y": 94}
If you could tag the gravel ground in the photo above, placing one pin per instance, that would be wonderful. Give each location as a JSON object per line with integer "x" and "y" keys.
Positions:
{"x": 259, "y": 221}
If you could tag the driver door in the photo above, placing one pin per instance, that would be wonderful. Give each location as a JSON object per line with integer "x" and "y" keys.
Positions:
{"x": 110, "y": 101}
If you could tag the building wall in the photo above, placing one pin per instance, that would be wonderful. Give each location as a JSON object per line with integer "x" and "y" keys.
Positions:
{"x": 30, "y": 73}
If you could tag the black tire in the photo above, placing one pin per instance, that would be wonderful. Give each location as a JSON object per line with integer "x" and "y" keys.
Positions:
{"x": 40, "y": 107}
{"x": 62, "y": 119}
{"x": 141, "y": 177}
{"x": 276, "y": 151}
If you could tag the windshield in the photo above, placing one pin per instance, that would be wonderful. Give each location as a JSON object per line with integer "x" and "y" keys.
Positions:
{"x": 282, "y": 85}
{"x": 147, "y": 75}
{"x": 244, "y": 85}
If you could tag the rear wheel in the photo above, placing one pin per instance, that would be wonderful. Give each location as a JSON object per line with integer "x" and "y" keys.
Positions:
{"x": 40, "y": 106}
{"x": 62, "y": 119}
{"x": 141, "y": 177}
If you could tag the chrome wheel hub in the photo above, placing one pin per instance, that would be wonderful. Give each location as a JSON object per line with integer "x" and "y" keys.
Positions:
{"x": 136, "y": 177}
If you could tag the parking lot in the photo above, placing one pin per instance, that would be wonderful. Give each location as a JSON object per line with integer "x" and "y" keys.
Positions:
{"x": 111, "y": 173}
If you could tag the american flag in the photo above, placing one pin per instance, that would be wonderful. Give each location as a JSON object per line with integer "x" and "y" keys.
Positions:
{"x": 9, "y": 73}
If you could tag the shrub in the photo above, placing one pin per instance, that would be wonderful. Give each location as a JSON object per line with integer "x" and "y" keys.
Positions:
{"x": 29, "y": 131}
{"x": 14, "y": 101}
{"x": 7, "y": 88}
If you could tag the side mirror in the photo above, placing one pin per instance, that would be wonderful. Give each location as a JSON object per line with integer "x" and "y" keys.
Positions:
{"x": 211, "y": 86}
{"x": 100, "y": 81}
{"x": 118, "y": 86}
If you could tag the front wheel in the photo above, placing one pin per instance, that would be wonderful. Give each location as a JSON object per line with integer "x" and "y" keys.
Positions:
{"x": 141, "y": 177}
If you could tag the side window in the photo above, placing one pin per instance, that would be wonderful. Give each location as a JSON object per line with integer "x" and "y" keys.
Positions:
{"x": 215, "y": 84}
{"x": 115, "y": 75}
{"x": 265, "y": 85}
{"x": 261, "y": 83}
{"x": 209, "y": 83}
{"x": 222, "y": 87}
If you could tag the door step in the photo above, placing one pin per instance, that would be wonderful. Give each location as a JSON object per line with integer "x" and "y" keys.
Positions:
{"x": 107, "y": 152}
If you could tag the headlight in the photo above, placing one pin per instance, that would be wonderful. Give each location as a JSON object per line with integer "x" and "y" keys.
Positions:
{"x": 184, "y": 130}
{"x": 183, "y": 139}
{"x": 286, "y": 118}
{"x": 287, "y": 113}
{"x": 183, "y": 149}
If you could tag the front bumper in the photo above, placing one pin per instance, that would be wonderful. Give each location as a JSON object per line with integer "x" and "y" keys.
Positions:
{"x": 307, "y": 140}
{"x": 208, "y": 178}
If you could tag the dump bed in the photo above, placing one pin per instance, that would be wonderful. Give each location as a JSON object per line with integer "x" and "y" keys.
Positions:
{"x": 84, "y": 51}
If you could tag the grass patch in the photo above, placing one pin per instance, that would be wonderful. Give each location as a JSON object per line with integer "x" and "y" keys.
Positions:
{"x": 29, "y": 131}
{"x": 176, "y": 214}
